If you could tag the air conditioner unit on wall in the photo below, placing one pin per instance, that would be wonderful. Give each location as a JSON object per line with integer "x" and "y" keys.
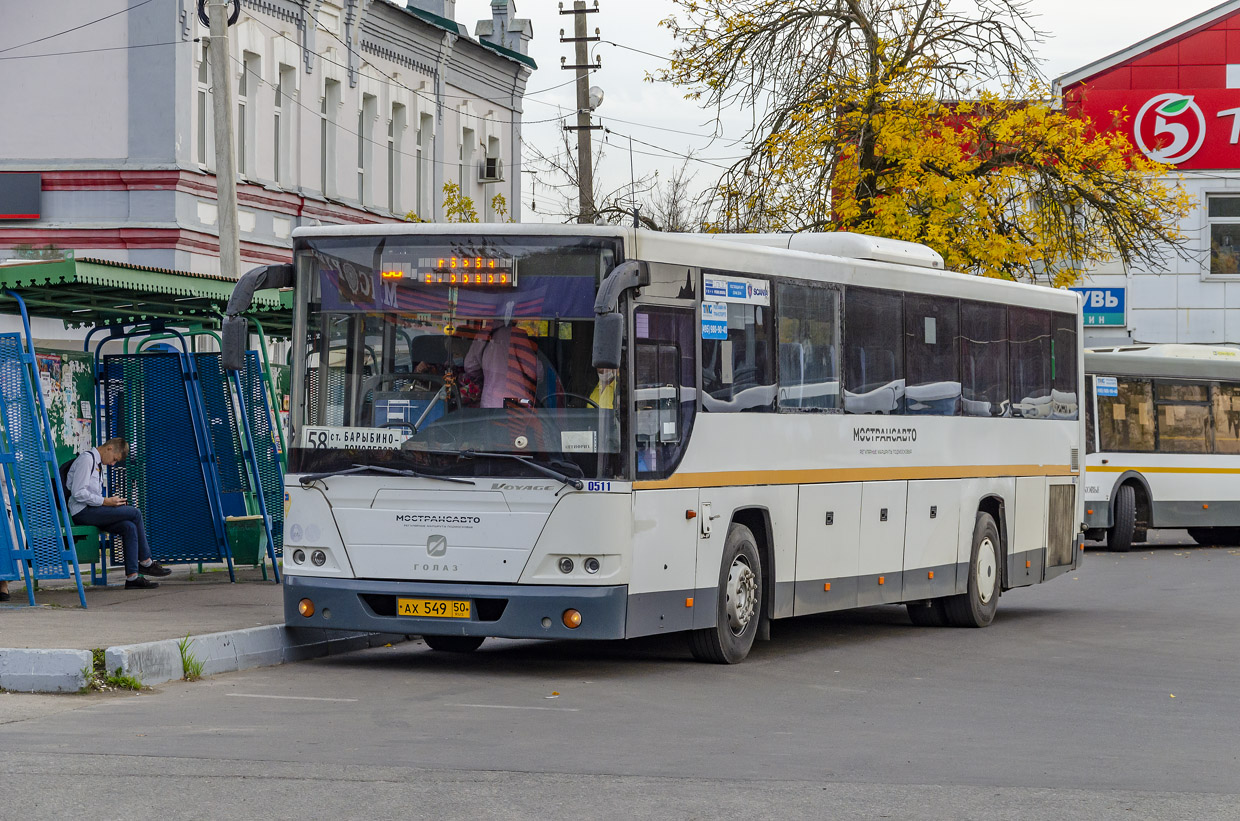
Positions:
{"x": 491, "y": 169}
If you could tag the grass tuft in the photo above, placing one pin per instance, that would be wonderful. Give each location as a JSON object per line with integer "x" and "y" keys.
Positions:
{"x": 191, "y": 666}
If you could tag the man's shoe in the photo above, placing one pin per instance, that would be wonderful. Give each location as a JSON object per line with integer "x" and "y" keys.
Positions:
{"x": 5, "y": 596}
{"x": 154, "y": 569}
{"x": 140, "y": 583}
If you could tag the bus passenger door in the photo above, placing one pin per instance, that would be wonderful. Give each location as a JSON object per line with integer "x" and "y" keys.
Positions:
{"x": 881, "y": 562}
{"x": 665, "y": 537}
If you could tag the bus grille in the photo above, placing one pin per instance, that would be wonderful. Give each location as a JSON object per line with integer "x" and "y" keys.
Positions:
{"x": 1060, "y": 527}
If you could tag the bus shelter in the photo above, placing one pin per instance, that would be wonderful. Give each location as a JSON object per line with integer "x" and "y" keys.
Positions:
{"x": 207, "y": 453}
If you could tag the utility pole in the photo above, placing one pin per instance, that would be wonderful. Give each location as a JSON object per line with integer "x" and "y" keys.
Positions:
{"x": 225, "y": 161}
{"x": 583, "y": 66}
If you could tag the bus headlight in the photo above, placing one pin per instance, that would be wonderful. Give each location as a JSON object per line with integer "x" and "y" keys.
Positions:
{"x": 590, "y": 565}
{"x": 566, "y": 565}
{"x": 299, "y": 556}
{"x": 319, "y": 558}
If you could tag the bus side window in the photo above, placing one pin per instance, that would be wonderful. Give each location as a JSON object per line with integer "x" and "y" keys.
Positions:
{"x": 1064, "y": 403}
{"x": 931, "y": 349}
{"x": 873, "y": 351}
{"x": 984, "y": 360}
{"x": 1226, "y": 418}
{"x": 1183, "y": 417}
{"x": 1030, "y": 350}
{"x": 809, "y": 344}
{"x": 1126, "y": 420}
{"x": 738, "y": 373}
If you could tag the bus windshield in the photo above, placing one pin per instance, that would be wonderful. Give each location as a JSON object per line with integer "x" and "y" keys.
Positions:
{"x": 431, "y": 352}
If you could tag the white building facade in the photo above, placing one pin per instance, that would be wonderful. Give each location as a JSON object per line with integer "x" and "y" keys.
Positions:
{"x": 346, "y": 111}
{"x": 1181, "y": 91}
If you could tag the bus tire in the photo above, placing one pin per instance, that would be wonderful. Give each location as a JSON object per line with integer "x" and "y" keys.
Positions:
{"x": 976, "y": 608}
{"x": 454, "y": 644}
{"x": 739, "y": 607}
{"x": 1120, "y": 534}
{"x": 926, "y": 613}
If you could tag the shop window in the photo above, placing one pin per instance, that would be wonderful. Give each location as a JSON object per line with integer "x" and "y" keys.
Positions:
{"x": 1226, "y": 401}
{"x": 1223, "y": 223}
{"x": 1126, "y": 420}
{"x": 1184, "y": 424}
{"x": 932, "y": 355}
{"x": 1030, "y": 358}
{"x": 873, "y": 351}
{"x": 738, "y": 373}
{"x": 809, "y": 344}
{"x": 984, "y": 360}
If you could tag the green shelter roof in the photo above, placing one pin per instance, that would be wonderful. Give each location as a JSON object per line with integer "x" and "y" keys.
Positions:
{"x": 84, "y": 292}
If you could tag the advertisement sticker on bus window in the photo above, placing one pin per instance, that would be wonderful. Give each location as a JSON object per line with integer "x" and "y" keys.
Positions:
{"x": 714, "y": 320}
{"x": 737, "y": 289}
{"x": 1107, "y": 385}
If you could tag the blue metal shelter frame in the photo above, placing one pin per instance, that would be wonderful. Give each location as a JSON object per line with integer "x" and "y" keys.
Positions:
{"x": 154, "y": 399}
{"x": 44, "y": 543}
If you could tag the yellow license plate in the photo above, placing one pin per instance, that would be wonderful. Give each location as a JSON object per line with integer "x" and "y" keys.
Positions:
{"x": 433, "y": 608}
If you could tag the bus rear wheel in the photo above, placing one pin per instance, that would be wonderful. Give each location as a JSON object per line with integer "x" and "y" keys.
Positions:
{"x": 1120, "y": 535}
{"x": 454, "y": 644}
{"x": 976, "y": 608}
{"x": 739, "y": 607}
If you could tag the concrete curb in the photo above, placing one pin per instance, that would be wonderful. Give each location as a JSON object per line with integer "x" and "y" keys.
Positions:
{"x": 43, "y": 671}
{"x": 159, "y": 661}
{"x": 155, "y": 662}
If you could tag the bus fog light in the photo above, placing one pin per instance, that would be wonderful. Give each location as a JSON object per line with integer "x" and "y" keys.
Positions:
{"x": 590, "y": 565}
{"x": 305, "y": 607}
{"x": 566, "y": 565}
{"x": 299, "y": 556}
{"x": 572, "y": 619}
{"x": 319, "y": 558}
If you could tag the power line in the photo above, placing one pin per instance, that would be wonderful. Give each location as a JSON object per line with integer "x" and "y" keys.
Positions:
{"x": 668, "y": 150}
{"x": 94, "y": 50}
{"x": 76, "y": 28}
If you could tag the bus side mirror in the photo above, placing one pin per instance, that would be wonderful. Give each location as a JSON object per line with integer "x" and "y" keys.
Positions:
{"x": 236, "y": 336}
{"x": 608, "y": 338}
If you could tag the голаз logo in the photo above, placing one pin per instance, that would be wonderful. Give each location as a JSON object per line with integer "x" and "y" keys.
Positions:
{"x": 436, "y": 545}
{"x": 1175, "y": 130}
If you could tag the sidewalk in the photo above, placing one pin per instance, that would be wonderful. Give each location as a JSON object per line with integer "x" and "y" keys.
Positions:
{"x": 232, "y": 627}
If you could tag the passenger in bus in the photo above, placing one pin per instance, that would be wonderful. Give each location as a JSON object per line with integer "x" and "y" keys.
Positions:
{"x": 507, "y": 363}
{"x": 604, "y": 393}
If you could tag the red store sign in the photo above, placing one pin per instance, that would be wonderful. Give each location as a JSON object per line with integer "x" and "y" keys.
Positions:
{"x": 1193, "y": 129}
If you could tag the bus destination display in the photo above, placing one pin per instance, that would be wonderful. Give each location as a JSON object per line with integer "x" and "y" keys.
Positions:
{"x": 476, "y": 271}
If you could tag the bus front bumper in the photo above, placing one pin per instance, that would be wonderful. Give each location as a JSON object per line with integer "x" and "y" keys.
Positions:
{"x": 507, "y": 611}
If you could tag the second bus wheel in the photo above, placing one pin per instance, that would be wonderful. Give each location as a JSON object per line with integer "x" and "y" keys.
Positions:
{"x": 454, "y": 644}
{"x": 976, "y": 608}
{"x": 739, "y": 605}
{"x": 1119, "y": 535}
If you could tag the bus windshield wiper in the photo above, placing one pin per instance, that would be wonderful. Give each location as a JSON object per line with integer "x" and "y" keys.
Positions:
{"x": 310, "y": 478}
{"x": 571, "y": 481}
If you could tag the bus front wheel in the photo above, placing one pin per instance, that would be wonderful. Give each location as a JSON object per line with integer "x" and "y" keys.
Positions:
{"x": 1120, "y": 535}
{"x": 454, "y": 644}
{"x": 739, "y": 607}
{"x": 976, "y": 608}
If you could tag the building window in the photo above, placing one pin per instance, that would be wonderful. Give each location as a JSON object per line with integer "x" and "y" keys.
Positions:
{"x": 204, "y": 109}
{"x": 1224, "y": 222}
{"x": 426, "y": 134}
{"x": 285, "y": 88}
{"x": 248, "y": 84}
{"x": 327, "y": 136}
{"x": 396, "y": 127}
{"x": 468, "y": 142}
{"x": 365, "y": 137}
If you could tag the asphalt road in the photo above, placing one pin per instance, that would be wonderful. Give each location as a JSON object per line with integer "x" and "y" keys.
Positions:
{"x": 1113, "y": 692}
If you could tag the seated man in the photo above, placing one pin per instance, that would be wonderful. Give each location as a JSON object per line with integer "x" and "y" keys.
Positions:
{"x": 88, "y": 506}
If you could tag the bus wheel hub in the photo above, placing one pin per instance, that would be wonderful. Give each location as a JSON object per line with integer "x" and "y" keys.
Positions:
{"x": 741, "y": 594}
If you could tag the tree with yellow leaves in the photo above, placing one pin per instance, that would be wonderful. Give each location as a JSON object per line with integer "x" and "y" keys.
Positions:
{"x": 920, "y": 120}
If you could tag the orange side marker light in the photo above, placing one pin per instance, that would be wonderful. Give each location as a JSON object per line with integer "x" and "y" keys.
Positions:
{"x": 689, "y": 601}
{"x": 1028, "y": 564}
{"x": 930, "y": 575}
{"x": 1205, "y": 507}
{"x": 882, "y": 579}
{"x": 690, "y": 514}
{"x": 826, "y": 587}
{"x": 1090, "y": 512}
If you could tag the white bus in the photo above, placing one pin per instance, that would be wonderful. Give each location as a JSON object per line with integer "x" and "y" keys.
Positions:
{"x": 1163, "y": 443}
{"x": 589, "y": 432}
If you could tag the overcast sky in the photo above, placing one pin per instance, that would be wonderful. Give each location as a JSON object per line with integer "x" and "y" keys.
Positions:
{"x": 1078, "y": 33}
